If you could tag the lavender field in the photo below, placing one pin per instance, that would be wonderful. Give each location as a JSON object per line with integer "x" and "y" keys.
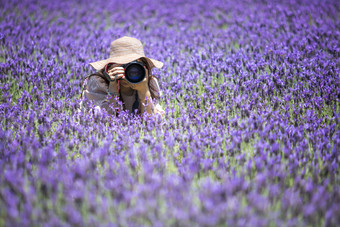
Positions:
{"x": 251, "y": 133}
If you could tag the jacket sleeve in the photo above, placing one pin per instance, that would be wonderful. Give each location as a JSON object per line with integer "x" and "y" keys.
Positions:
{"x": 96, "y": 90}
{"x": 156, "y": 95}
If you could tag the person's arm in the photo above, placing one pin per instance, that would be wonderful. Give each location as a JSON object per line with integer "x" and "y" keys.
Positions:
{"x": 147, "y": 98}
{"x": 156, "y": 95}
{"x": 97, "y": 90}
{"x": 144, "y": 97}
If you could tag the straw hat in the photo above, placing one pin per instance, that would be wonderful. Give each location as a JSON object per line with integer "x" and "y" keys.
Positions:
{"x": 125, "y": 50}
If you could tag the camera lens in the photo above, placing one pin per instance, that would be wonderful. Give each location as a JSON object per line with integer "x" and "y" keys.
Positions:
{"x": 134, "y": 72}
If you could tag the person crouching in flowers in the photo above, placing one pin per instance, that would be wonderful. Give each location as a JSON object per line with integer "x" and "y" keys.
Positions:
{"x": 124, "y": 81}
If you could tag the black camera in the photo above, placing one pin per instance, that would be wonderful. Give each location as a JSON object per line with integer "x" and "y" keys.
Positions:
{"x": 134, "y": 71}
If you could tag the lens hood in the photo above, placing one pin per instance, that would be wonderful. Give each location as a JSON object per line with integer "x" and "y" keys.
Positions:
{"x": 134, "y": 72}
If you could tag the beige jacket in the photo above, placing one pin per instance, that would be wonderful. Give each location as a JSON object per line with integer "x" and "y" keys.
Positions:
{"x": 136, "y": 98}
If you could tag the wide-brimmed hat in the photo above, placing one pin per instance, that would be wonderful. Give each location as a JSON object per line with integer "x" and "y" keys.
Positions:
{"x": 124, "y": 50}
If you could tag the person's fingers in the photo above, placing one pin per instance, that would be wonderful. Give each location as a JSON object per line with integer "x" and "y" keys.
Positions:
{"x": 116, "y": 73}
{"x": 119, "y": 76}
{"x": 116, "y": 70}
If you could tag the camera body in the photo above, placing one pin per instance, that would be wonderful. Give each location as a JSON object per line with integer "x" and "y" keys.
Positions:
{"x": 134, "y": 72}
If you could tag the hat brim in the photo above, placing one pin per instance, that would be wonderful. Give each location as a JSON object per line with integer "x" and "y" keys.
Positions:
{"x": 98, "y": 65}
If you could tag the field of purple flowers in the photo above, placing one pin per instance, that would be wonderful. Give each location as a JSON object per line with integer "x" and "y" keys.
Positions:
{"x": 251, "y": 134}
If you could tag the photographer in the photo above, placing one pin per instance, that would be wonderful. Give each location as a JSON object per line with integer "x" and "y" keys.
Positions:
{"x": 124, "y": 81}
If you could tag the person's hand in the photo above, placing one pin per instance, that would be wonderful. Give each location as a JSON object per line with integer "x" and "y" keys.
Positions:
{"x": 116, "y": 72}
